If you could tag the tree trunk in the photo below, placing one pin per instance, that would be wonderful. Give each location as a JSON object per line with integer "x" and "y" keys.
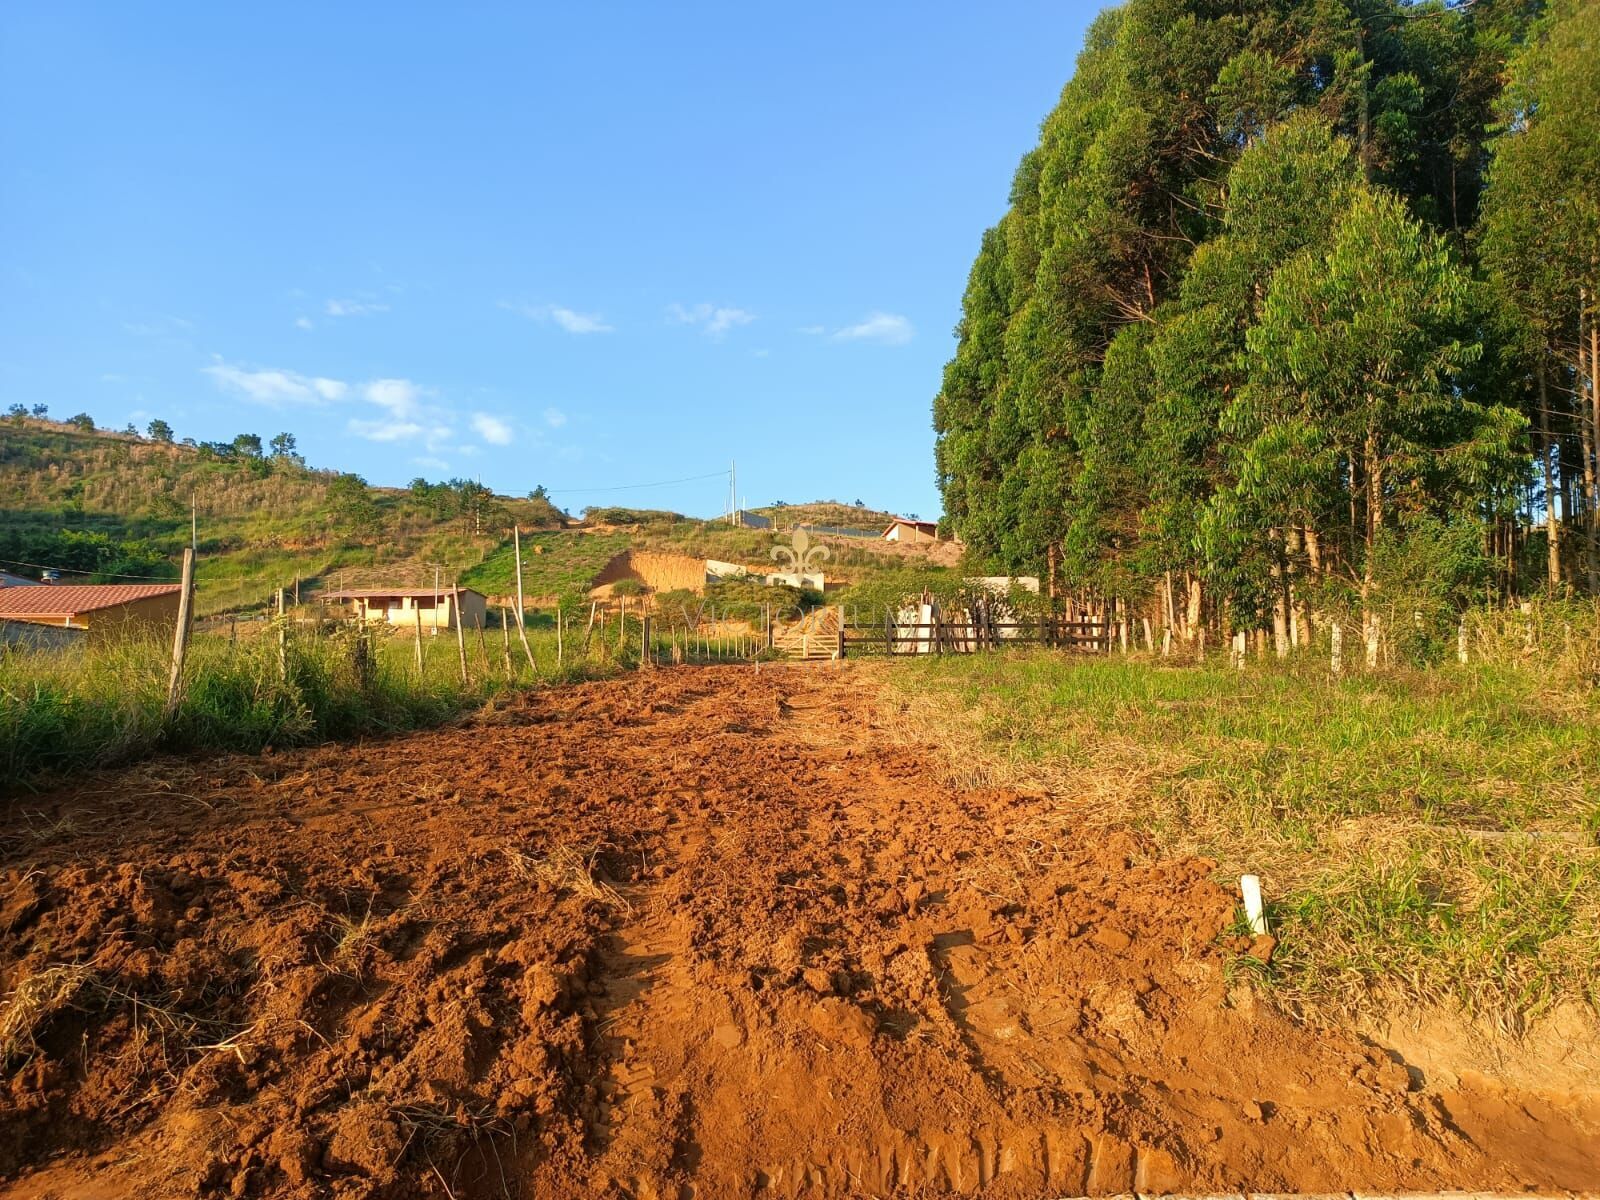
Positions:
{"x": 1551, "y": 525}
{"x": 1374, "y": 494}
{"x": 1586, "y": 435}
{"x": 1280, "y": 594}
{"x": 1594, "y": 424}
{"x": 1299, "y": 613}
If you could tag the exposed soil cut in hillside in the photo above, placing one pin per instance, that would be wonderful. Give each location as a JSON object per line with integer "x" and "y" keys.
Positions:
{"x": 698, "y": 932}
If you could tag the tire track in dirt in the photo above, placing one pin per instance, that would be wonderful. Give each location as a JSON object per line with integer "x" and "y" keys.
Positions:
{"x": 698, "y": 932}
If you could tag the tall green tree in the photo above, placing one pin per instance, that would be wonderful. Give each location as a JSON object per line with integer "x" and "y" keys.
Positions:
{"x": 1354, "y": 415}
{"x": 1227, "y": 336}
{"x": 1540, "y": 241}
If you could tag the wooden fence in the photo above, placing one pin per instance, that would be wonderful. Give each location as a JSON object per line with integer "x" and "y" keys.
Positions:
{"x": 971, "y": 635}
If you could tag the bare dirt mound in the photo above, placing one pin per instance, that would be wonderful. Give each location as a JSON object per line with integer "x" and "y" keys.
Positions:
{"x": 696, "y": 933}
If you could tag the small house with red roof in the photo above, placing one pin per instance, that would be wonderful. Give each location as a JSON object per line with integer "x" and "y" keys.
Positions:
{"x": 116, "y": 609}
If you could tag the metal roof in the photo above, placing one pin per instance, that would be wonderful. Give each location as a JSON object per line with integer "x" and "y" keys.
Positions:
{"x": 395, "y": 593}
{"x": 65, "y": 600}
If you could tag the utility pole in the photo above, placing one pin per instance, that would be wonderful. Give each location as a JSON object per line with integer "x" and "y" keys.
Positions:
{"x": 194, "y": 524}
{"x": 733, "y": 476}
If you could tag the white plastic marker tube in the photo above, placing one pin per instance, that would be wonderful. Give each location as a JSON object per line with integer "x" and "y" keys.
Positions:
{"x": 1250, "y": 889}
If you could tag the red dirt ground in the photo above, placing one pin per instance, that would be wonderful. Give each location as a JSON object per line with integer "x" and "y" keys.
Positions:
{"x": 695, "y": 933}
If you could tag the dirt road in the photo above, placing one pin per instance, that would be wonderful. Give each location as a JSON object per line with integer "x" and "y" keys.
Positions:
{"x": 704, "y": 933}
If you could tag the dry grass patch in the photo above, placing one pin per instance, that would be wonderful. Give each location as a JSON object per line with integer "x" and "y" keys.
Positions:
{"x": 31, "y": 1004}
{"x": 566, "y": 869}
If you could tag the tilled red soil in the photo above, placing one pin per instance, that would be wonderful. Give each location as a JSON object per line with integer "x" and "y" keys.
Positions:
{"x": 695, "y": 933}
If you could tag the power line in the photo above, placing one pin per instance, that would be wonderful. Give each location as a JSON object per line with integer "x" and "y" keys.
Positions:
{"x": 633, "y": 487}
{"x": 11, "y": 562}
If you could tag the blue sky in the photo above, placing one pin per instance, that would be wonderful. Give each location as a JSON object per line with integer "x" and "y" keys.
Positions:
{"x": 587, "y": 246}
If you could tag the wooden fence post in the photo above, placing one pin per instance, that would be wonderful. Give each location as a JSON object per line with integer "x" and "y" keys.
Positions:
{"x": 1372, "y": 641}
{"x": 1461, "y": 642}
{"x": 416, "y": 611}
{"x": 1336, "y": 636}
{"x": 522, "y": 617}
{"x": 560, "y": 622}
{"x": 361, "y": 658}
{"x": 644, "y": 641}
{"x": 180, "y": 636}
{"x": 461, "y": 634}
{"x": 1238, "y": 651}
{"x": 505, "y": 639}
{"x": 283, "y": 640}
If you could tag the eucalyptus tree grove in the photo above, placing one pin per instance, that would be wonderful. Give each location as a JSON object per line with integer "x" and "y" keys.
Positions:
{"x": 1294, "y": 302}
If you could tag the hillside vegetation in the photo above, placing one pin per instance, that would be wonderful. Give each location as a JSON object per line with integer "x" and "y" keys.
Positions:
{"x": 828, "y": 513}
{"x": 112, "y": 504}
{"x": 104, "y": 506}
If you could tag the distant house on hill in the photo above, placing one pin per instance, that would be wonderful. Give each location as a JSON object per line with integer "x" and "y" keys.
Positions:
{"x": 7, "y": 579}
{"x": 101, "y": 608}
{"x": 903, "y": 529}
{"x": 406, "y": 606}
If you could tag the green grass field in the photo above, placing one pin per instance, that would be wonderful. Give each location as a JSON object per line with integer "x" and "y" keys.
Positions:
{"x": 1428, "y": 835}
{"x": 102, "y": 704}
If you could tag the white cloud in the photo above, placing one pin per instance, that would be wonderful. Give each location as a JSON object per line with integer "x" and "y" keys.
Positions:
{"x": 715, "y": 319}
{"x": 891, "y": 329}
{"x": 382, "y": 430}
{"x": 569, "y": 319}
{"x": 577, "y": 322}
{"x": 302, "y": 322}
{"x": 353, "y": 308}
{"x": 400, "y": 396}
{"x": 812, "y": 330}
{"x": 554, "y": 418}
{"x": 434, "y": 437}
{"x": 437, "y": 464}
{"x": 491, "y": 429}
{"x": 274, "y": 387}
{"x": 407, "y": 413}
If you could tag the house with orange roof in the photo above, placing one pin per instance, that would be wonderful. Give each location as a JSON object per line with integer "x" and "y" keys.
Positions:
{"x": 115, "y": 609}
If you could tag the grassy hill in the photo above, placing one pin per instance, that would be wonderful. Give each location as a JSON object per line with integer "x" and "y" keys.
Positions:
{"x": 828, "y": 513}
{"x": 107, "y": 505}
